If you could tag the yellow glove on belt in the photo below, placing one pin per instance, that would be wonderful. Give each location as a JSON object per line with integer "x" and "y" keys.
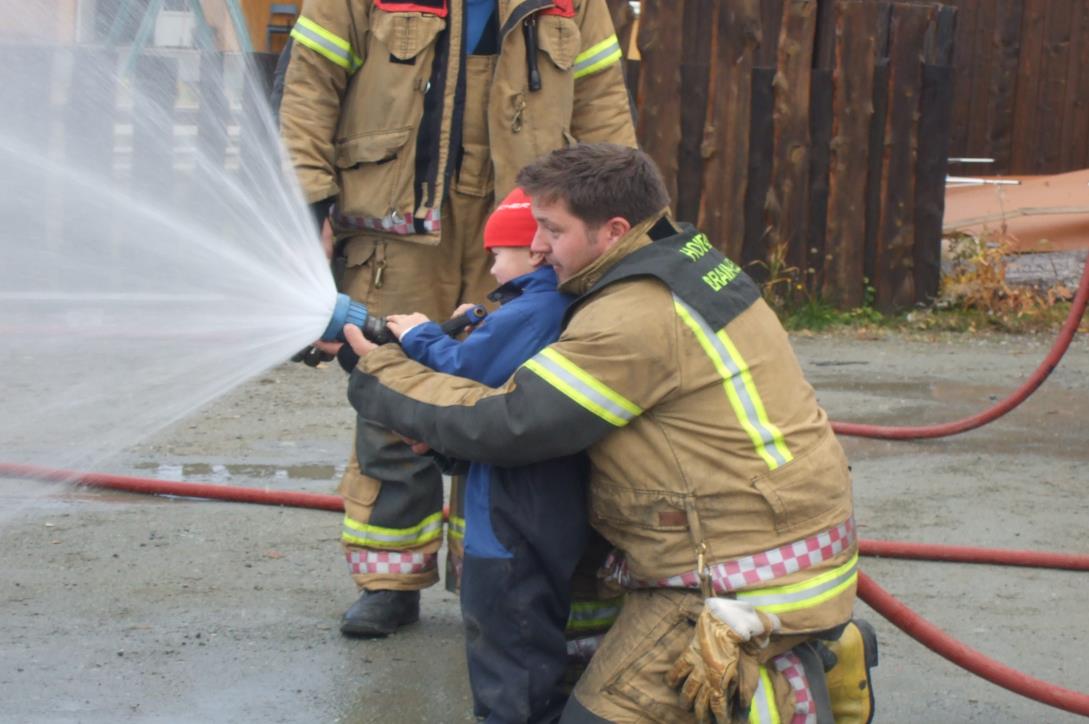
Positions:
{"x": 719, "y": 671}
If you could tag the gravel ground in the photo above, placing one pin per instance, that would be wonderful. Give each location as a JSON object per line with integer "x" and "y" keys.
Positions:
{"x": 119, "y": 607}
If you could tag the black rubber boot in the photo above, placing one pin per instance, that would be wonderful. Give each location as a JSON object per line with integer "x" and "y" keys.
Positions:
{"x": 380, "y": 613}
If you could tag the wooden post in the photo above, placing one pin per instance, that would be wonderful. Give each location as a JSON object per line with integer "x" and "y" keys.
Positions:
{"x": 877, "y": 141}
{"x": 1053, "y": 87}
{"x": 894, "y": 274}
{"x": 852, "y": 110}
{"x": 1075, "y": 137}
{"x": 659, "y": 99}
{"x": 1007, "y": 41}
{"x": 935, "y": 119}
{"x": 813, "y": 238}
{"x": 213, "y": 112}
{"x": 1026, "y": 112}
{"x": 725, "y": 146}
{"x": 699, "y": 28}
{"x": 785, "y": 207}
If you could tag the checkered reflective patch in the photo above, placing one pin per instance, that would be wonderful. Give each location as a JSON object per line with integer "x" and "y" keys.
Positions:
{"x": 750, "y": 571}
{"x": 805, "y": 708}
{"x": 395, "y": 562}
{"x": 581, "y": 650}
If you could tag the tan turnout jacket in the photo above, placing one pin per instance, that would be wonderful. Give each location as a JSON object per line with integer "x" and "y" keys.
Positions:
{"x": 370, "y": 112}
{"x": 700, "y": 427}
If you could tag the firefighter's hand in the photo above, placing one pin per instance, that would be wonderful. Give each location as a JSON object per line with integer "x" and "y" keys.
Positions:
{"x": 359, "y": 344}
{"x": 420, "y": 448}
{"x": 329, "y": 348}
{"x": 327, "y": 238}
{"x": 399, "y": 324}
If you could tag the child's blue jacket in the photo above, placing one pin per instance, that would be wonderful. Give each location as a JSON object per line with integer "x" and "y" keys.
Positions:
{"x": 529, "y": 319}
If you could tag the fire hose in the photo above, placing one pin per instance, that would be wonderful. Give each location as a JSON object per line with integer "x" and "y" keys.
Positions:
{"x": 1058, "y": 349}
{"x": 874, "y": 595}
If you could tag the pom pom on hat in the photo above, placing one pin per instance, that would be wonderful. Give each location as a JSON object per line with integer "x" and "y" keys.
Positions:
{"x": 512, "y": 222}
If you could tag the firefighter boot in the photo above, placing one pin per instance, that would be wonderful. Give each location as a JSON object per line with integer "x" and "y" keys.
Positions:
{"x": 380, "y": 613}
{"x": 849, "y": 685}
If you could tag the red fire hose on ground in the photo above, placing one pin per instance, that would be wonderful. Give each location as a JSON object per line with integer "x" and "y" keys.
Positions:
{"x": 1058, "y": 349}
{"x": 878, "y": 598}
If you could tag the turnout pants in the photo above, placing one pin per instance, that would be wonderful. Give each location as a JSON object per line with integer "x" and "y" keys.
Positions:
{"x": 392, "y": 498}
{"x": 626, "y": 679}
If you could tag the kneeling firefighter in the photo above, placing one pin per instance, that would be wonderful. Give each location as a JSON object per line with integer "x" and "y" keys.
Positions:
{"x": 714, "y": 472}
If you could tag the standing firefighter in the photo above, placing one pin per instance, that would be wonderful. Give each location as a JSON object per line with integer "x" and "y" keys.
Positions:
{"x": 714, "y": 472}
{"x": 404, "y": 120}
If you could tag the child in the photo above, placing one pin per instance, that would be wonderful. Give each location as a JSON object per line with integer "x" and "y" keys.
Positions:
{"x": 526, "y": 527}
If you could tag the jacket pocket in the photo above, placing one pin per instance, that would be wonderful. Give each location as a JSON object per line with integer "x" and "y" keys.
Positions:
{"x": 559, "y": 39}
{"x": 376, "y": 176}
{"x": 405, "y": 35}
{"x": 649, "y": 509}
{"x": 813, "y": 490}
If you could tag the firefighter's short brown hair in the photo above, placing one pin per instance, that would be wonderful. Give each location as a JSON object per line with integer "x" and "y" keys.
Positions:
{"x": 598, "y": 181}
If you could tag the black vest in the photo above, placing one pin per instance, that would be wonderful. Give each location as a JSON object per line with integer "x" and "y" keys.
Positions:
{"x": 695, "y": 271}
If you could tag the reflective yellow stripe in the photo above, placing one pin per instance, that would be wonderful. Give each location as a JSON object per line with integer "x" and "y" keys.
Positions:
{"x": 374, "y": 536}
{"x": 597, "y": 57}
{"x": 805, "y": 594}
{"x": 592, "y": 615}
{"x": 457, "y": 527}
{"x": 740, "y": 390}
{"x": 763, "y": 709}
{"x": 583, "y": 388}
{"x": 330, "y": 46}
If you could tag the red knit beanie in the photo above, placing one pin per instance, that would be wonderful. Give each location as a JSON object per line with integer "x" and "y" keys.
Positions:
{"x": 512, "y": 222}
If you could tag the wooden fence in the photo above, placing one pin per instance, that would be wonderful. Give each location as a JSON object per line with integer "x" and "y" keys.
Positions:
{"x": 1022, "y": 84}
{"x": 809, "y": 138}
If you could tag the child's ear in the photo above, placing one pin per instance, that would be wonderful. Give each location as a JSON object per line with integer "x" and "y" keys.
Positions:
{"x": 536, "y": 258}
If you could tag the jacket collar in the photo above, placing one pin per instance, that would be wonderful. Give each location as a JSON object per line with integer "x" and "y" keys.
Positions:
{"x": 512, "y": 12}
{"x": 636, "y": 238}
{"x": 538, "y": 280}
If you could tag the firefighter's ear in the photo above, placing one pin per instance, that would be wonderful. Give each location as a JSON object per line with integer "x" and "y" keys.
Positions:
{"x": 613, "y": 229}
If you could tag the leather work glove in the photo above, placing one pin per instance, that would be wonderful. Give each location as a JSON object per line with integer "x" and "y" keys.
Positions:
{"x": 718, "y": 673}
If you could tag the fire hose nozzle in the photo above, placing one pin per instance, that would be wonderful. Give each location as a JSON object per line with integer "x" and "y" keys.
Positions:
{"x": 349, "y": 311}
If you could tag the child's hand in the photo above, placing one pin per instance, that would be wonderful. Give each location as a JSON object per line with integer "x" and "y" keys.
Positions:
{"x": 399, "y": 324}
{"x": 462, "y": 309}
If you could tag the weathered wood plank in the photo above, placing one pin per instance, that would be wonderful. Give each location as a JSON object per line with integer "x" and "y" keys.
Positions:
{"x": 761, "y": 149}
{"x": 695, "y": 73}
{"x": 1076, "y": 124}
{"x": 725, "y": 146}
{"x": 965, "y": 71}
{"x": 979, "y": 120}
{"x": 877, "y": 141}
{"x": 1053, "y": 86}
{"x": 935, "y": 118}
{"x": 785, "y": 208}
{"x": 1007, "y": 41}
{"x": 852, "y": 110}
{"x": 1026, "y": 112}
{"x": 659, "y": 97}
{"x": 894, "y": 276}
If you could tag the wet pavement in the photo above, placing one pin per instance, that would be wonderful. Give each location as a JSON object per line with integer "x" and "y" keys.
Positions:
{"x": 119, "y": 607}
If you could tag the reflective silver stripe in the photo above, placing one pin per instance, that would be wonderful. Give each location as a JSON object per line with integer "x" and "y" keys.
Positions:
{"x": 311, "y": 38}
{"x": 582, "y": 391}
{"x": 763, "y": 709}
{"x": 603, "y": 54}
{"x": 363, "y": 534}
{"x": 804, "y": 594}
{"x": 767, "y": 437}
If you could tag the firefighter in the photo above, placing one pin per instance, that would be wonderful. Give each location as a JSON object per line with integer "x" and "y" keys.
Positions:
{"x": 404, "y": 120}
{"x": 714, "y": 472}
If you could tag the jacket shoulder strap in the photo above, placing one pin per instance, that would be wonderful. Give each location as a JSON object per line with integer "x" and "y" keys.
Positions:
{"x": 685, "y": 261}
